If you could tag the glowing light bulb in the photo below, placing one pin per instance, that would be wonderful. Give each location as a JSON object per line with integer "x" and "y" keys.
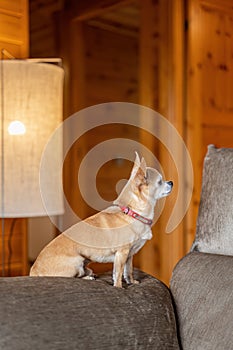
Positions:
{"x": 16, "y": 128}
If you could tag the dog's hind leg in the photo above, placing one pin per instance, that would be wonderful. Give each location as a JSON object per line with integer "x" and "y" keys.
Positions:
{"x": 79, "y": 266}
{"x": 88, "y": 273}
{"x": 80, "y": 272}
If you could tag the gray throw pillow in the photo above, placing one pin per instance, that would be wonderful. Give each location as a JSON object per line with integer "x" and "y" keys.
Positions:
{"x": 215, "y": 219}
{"x": 202, "y": 288}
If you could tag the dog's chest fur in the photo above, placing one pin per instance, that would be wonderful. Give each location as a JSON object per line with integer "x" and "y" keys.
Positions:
{"x": 137, "y": 246}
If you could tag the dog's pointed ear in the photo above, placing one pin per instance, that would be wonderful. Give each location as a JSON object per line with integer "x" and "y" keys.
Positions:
{"x": 143, "y": 166}
{"x": 136, "y": 165}
{"x": 137, "y": 159}
{"x": 140, "y": 175}
{"x": 139, "y": 178}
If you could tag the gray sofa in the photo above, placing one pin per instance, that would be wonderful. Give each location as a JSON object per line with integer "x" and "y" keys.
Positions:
{"x": 195, "y": 313}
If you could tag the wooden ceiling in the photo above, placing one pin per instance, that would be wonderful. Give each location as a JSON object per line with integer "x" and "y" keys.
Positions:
{"x": 121, "y": 16}
{"x": 46, "y": 8}
{"x": 123, "y": 19}
{"x": 118, "y": 16}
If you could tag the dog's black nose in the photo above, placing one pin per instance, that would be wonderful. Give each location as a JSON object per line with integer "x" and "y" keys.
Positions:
{"x": 170, "y": 183}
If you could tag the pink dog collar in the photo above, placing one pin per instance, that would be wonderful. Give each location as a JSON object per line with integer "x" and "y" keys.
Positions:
{"x": 130, "y": 212}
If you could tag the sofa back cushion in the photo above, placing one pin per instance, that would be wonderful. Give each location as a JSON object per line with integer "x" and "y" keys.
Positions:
{"x": 215, "y": 219}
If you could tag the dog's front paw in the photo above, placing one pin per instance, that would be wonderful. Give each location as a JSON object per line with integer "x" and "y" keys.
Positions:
{"x": 135, "y": 282}
{"x": 90, "y": 278}
{"x": 130, "y": 280}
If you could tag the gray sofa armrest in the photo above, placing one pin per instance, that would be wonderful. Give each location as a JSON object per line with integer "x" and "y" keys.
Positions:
{"x": 202, "y": 288}
{"x": 70, "y": 313}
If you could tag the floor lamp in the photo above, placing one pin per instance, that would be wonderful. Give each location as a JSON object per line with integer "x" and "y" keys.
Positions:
{"x": 31, "y": 104}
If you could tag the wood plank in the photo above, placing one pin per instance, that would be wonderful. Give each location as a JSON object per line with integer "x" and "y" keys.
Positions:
{"x": 216, "y": 66}
{"x": 123, "y": 20}
{"x": 149, "y": 47}
{"x": 111, "y": 66}
{"x": 14, "y": 49}
{"x": 75, "y": 99}
{"x": 219, "y": 5}
{"x": 112, "y": 27}
{"x": 220, "y": 137}
{"x": 45, "y": 7}
{"x": 107, "y": 71}
{"x": 16, "y": 6}
{"x": 83, "y": 10}
{"x": 11, "y": 27}
{"x": 210, "y": 108}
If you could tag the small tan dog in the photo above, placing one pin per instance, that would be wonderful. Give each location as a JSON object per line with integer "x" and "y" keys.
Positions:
{"x": 113, "y": 235}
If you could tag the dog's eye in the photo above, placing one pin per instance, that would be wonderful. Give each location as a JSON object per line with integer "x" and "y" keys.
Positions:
{"x": 146, "y": 176}
{"x": 160, "y": 182}
{"x": 146, "y": 179}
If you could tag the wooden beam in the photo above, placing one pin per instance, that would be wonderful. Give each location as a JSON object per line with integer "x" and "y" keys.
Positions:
{"x": 84, "y": 10}
{"x": 171, "y": 90}
{"x": 72, "y": 51}
{"x": 148, "y": 97}
{"x": 194, "y": 111}
{"x": 112, "y": 28}
{"x": 162, "y": 89}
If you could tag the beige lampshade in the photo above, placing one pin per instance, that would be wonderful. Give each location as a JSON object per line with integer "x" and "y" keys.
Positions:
{"x": 31, "y": 107}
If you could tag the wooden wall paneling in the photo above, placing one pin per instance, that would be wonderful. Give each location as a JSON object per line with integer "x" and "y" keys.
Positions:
{"x": 100, "y": 66}
{"x": 13, "y": 6}
{"x": 171, "y": 106}
{"x": 111, "y": 63}
{"x": 111, "y": 66}
{"x": 209, "y": 77}
{"x": 14, "y": 27}
{"x": 72, "y": 51}
{"x": 216, "y": 19}
{"x": 123, "y": 20}
{"x": 149, "y": 52}
{"x": 44, "y": 29}
{"x": 78, "y": 93}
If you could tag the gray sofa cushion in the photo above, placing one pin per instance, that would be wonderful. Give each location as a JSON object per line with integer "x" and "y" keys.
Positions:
{"x": 202, "y": 288}
{"x": 70, "y": 313}
{"x": 215, "y": 219}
